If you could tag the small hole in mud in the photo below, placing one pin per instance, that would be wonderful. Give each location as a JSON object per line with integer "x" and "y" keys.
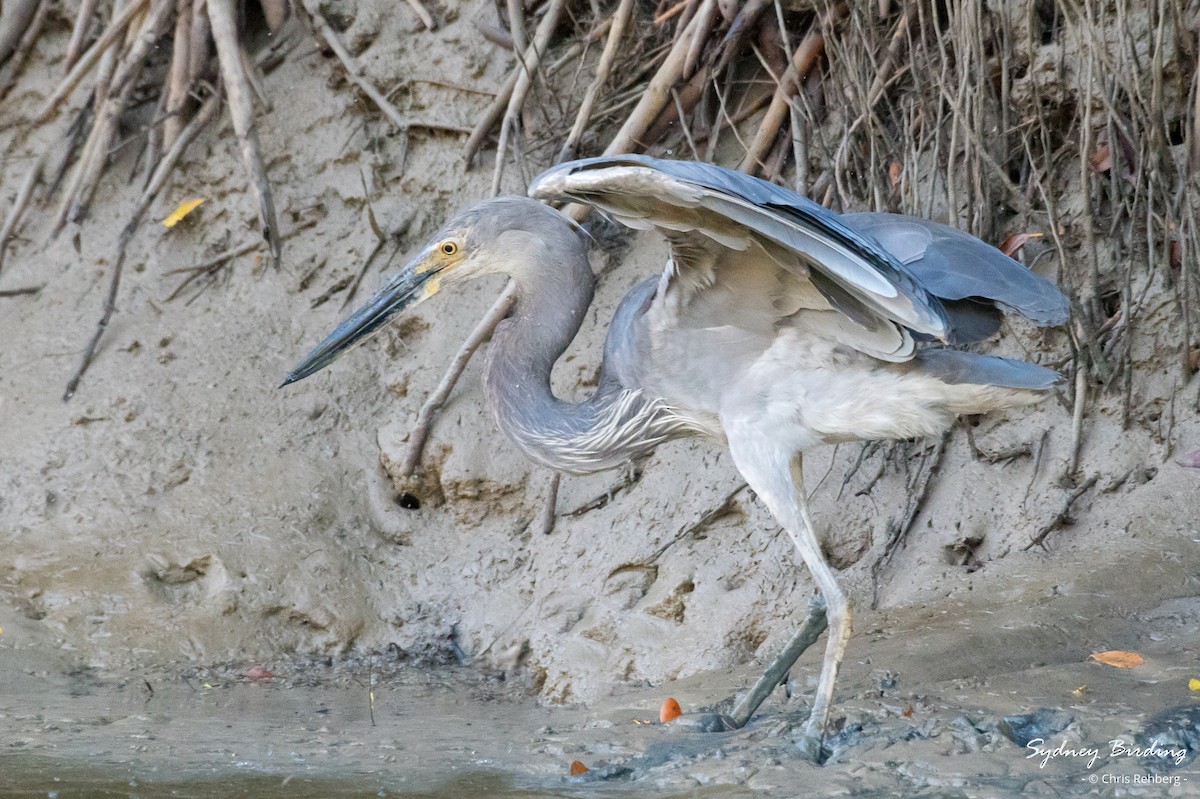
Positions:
{"x": 408, "y": 502}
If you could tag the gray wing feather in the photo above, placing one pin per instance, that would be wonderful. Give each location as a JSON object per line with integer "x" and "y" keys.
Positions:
{"x": 735, "y": 209}
{"x": 954, "y": 265}
{"x": 956, "y": 367}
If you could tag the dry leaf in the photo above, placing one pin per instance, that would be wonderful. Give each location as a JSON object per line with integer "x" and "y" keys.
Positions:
{"x": 578, "y": 768}
{"x": 1191, "y": 461}
{"x": 670, "y": 710}
{"x": 182, "y": 210}
{"x": 1015, "y": 241}
{"x": 894, "y": 171}
{"x": 1194, "y": 684}
{"x": 1102, "y": 159}
{"x": 1119, "y": 658}
{"x": 258, "y": 673}
{"x": 908, "y": 711}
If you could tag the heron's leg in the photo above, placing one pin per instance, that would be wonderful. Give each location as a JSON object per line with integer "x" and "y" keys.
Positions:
{"x": 777, "y": 477}
{"x": 837, "y": 608}
{"x": 773, "y": 675}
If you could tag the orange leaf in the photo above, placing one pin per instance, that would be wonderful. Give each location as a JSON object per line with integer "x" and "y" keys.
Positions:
{"x": 908, "y": 711}
{"x": 1015, "y": 241}
{"x": 670, "y": 710}
{"x": 894, "y": 170}
{"x": 1119, "y": 658}
{"x": 578, "y": 768}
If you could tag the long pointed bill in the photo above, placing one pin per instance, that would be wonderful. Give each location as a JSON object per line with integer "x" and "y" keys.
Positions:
{"x": 407, "y": 288}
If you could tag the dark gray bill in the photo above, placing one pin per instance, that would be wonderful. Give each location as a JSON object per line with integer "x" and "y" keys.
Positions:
{"x": 401, "y": 291}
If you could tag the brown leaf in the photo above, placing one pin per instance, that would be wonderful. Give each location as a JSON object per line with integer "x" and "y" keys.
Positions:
{"x": 670, "y": 710}
{"x": 1015, "y": 241}
{"x": 1118, "y": 658}
{"x": 1102, "y": 158}
{"x": 894, "y": 171}
{"x": 578, "y": 768}
{"x": 908, "y": 711}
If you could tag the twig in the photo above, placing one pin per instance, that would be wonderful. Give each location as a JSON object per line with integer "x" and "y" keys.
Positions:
{"x": 541, "y": 41}
{"x": 742, "y": 24}
{"x": 620, "y": 22}
{"x": 83, "y": 24}
{"x": 10, "y": 70}
{"x": 275, "y": 12}
{"x": 110, "y": 305}
{"x": 222, "y": 16}
{"x": 214, "y": 264}
{"x": 549, "y": 512}
{"x": 421, "y": 11}
{"x": 23, "y": 195}
{"x": 115, "y": 29}
{"x": 18, "y": 18}
{"x": 437, "y": 399}
{"x": 1077, "y": 415}
{"x": 1063, "y": 517}
{"x": 898, "y": 529}
{"x": 516, "y": 26}
{"x": 178, "y": 77}
{"x": 21, "y": 291}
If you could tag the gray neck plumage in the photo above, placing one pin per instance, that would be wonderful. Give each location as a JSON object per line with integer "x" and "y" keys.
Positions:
{"x": 603, "y": 431}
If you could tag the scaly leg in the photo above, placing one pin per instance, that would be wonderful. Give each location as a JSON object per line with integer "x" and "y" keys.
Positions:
{"x": 812, "y": 628}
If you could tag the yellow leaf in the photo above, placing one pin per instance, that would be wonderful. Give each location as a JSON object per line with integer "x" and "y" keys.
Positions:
{"x": 1119, "y": 658}
{"x": 1194, "y": 684}
{"x": 183, "y": 209}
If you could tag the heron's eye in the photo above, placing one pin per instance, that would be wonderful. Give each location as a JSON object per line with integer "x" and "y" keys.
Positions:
{"x": 449, "y": 248}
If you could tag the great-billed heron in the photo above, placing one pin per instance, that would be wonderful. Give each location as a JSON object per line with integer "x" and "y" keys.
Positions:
{"x": 777, "y": 325}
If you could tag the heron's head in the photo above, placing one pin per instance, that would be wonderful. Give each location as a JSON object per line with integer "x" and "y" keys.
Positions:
{"x": 493, "y": 237}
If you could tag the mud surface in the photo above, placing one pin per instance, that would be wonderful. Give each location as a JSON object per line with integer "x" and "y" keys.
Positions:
{"x": 182, "y": 513}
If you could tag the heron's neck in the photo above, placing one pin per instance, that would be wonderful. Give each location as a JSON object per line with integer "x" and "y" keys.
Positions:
{"x": 551, "y": 300}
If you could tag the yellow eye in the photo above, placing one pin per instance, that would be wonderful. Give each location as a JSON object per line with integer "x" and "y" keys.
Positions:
{"x": 449, "y": 248}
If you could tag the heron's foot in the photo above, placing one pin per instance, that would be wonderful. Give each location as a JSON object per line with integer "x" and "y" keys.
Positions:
{"x": 811, "y": 748}
{"x": 706, "y": 722}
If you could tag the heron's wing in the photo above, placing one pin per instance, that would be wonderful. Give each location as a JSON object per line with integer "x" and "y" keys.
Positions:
{"x": 963, "y": 271}
{"x": 726, "y": 227}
